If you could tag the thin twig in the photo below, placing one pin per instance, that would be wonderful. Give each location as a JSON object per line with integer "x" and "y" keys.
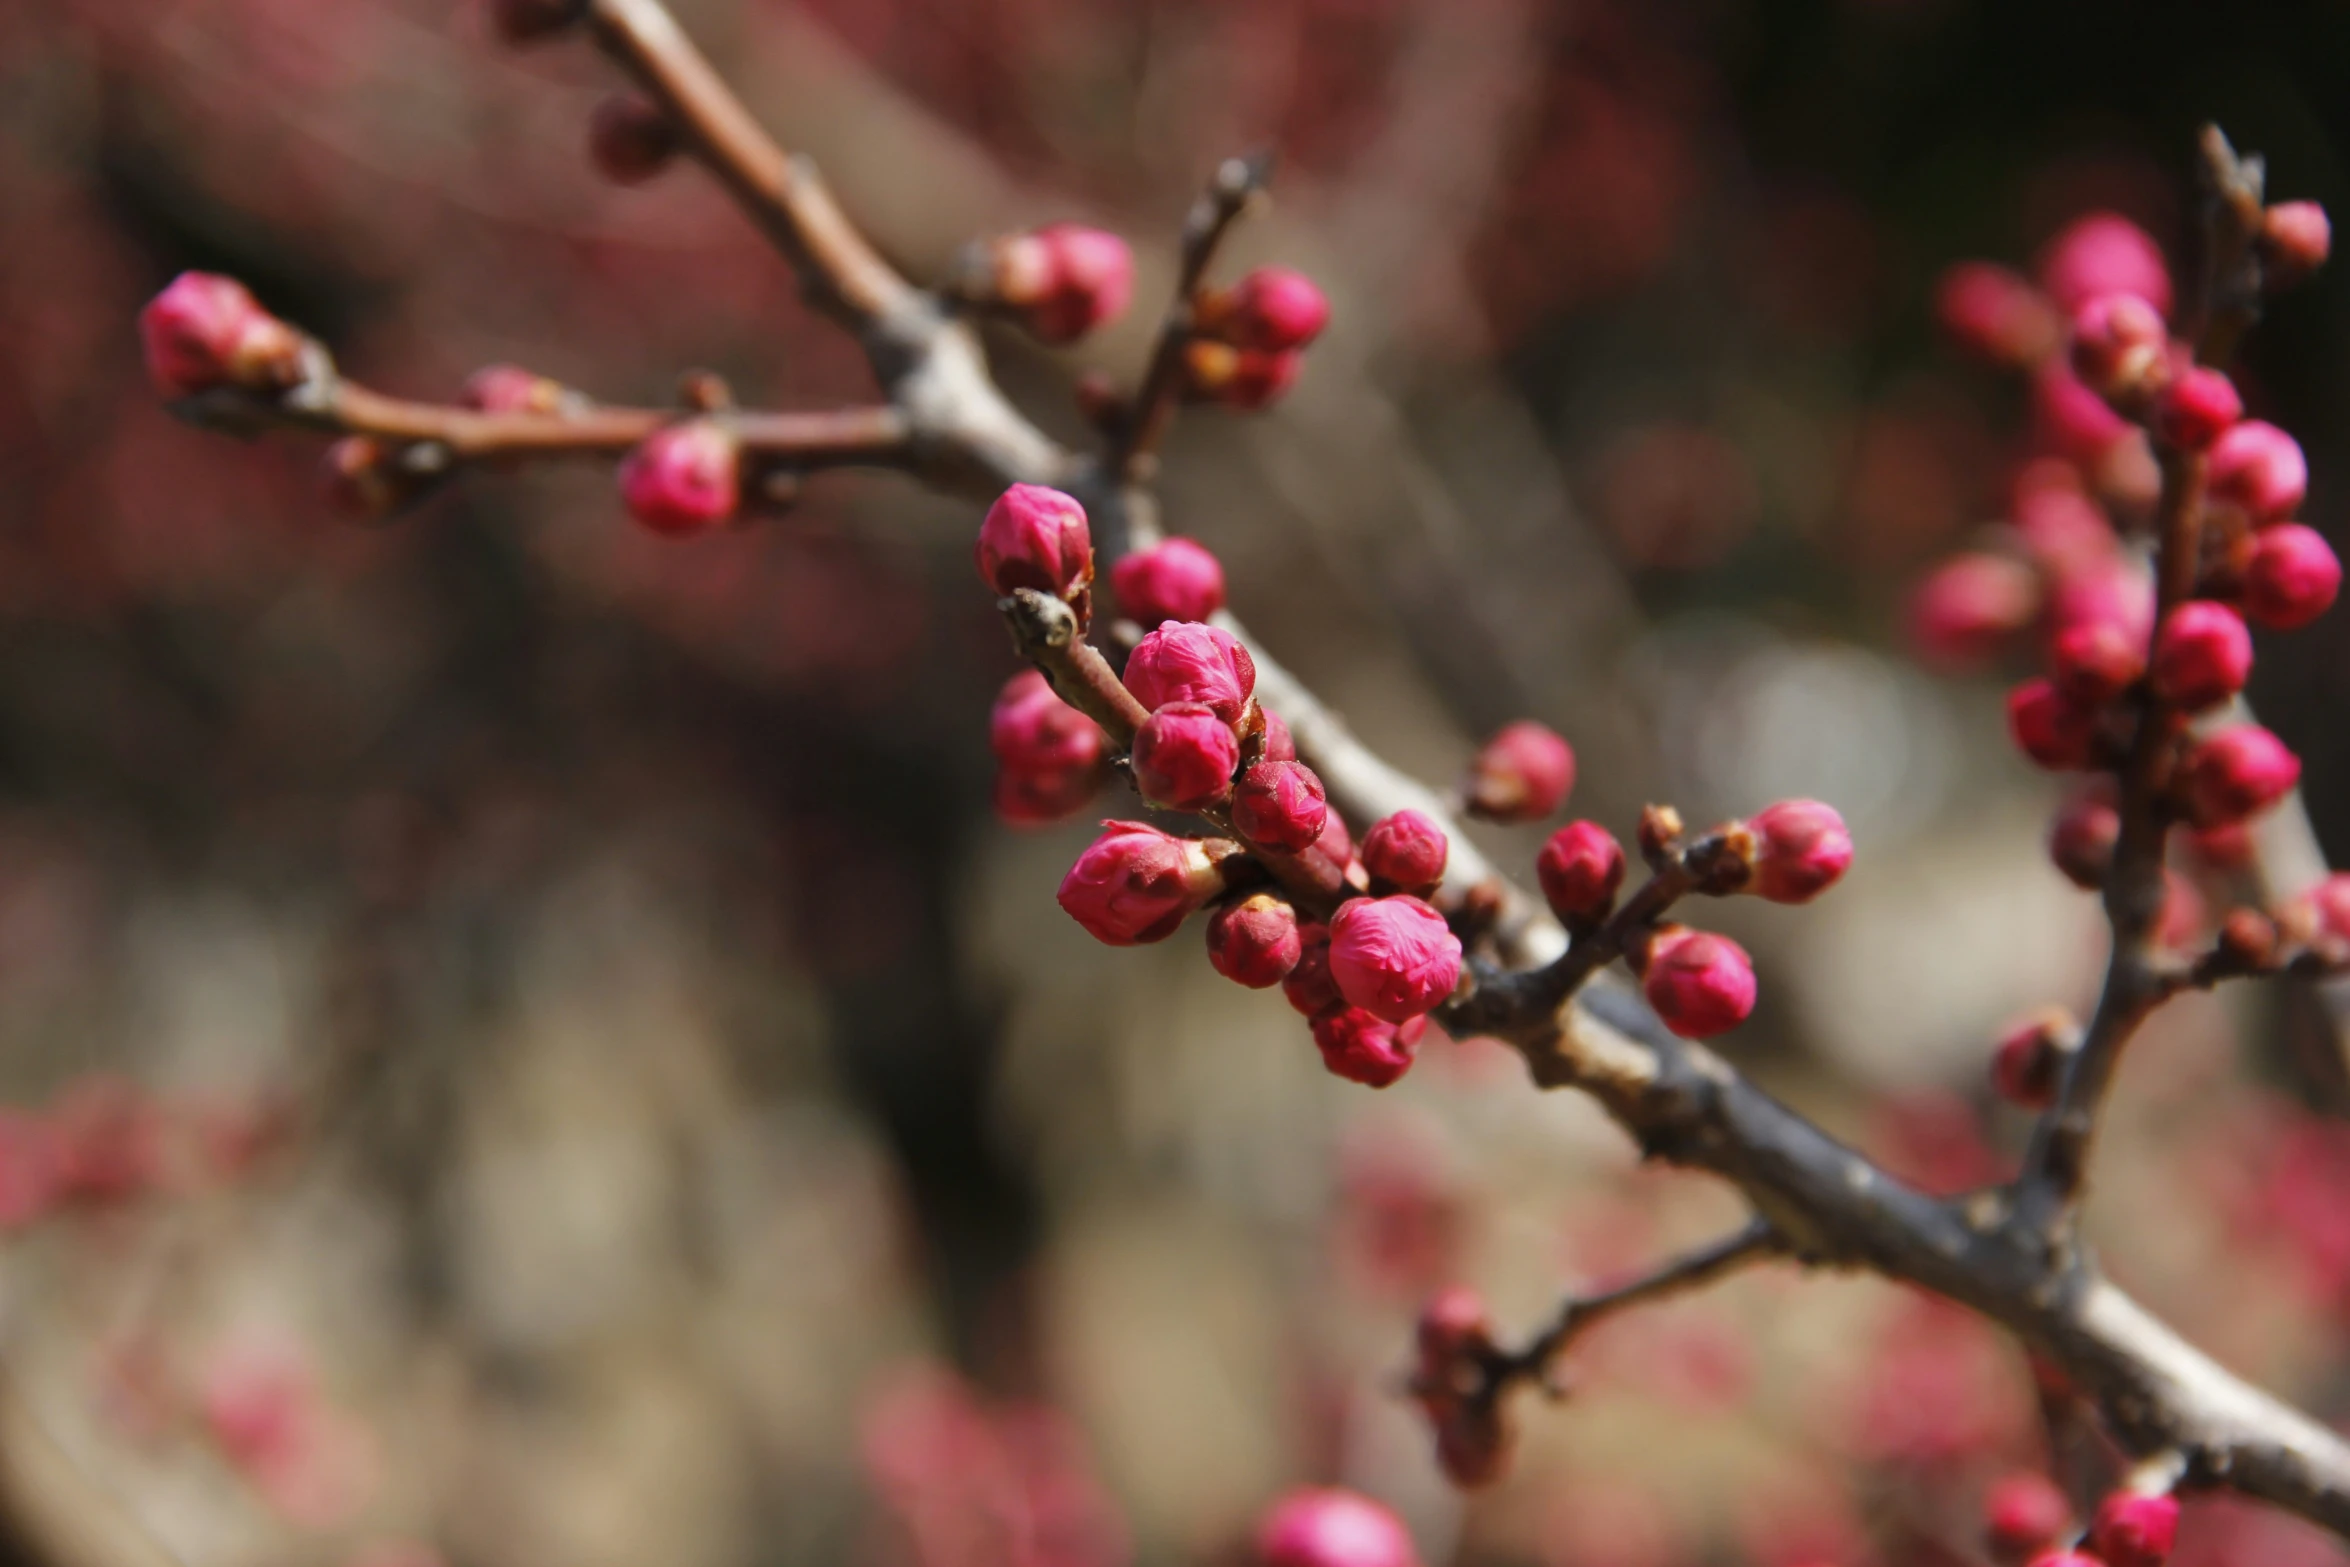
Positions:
{"x": 1578, "y": 1314}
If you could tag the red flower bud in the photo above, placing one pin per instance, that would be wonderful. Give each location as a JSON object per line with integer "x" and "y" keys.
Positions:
{"x": 1173, "y": 580}
{"x": 2094, "y": 661}
{"x": 2050, "y": 727}
{"x": 631, "y": 139}
{"x": 2295, "y": 239}
{"x": 1801, "y": 848}
{"x": 2065, "y": 1559}
{"x": 1699, "y": 983}
{"x": 510, "y": 389}
{"x": 1236, "y": 377}
{"x": 522, "y": 21}
{"x": 205, "y": 330}
{"x": 2120, "y": 346}
{"x": 2321, "y": 913}
{"x": 1272, "y": 310}
{"x": 2104, "y": 253}
{"x": 1051, "y": 754}
{"x": 1407, "y": 851}
{"x": 1393, "y": 957}
{"x": 1183, "y": 661}
{"x": 2226, "y": 848}
{"x": 1335, "y": 841}
{"x": 1995, "y": 314}
{"x": 2024, "y": 1512}
{"x": 1365, "y": 1049}
{"x": 1279, "y": 805}
{"x": 1969, "y": 606}
{"x": 1036, "y": 537}
{"x": 1524, "y": 773}
{"x": 2135, "y": 1531}
{"x": 2196, "y": 409}
{"x": 2201, "y": 656}
{"x": 1184, "y": 756}
{"x": 2238, "y": 773}
{"x": 1135, "y": 884}
{"x": 1065, "y": 279}
{"x": 1278, "y": 746}
{"x": 1254, "y": 942}
{"x": 684, "y": 478}
{"x": 2026, "y": 1069}
{"x": 2070, "y": 418}
{"x": 2082, "y": 837}
{"x": 2061, "y": 528}
{"x": 2259, "y": 468}
{"x": 2292, "y": 577}
{"x": 1333, "y": 1528}
{"x": 1308, "y": 986}
{"x": 1580, "y": 868}
{"x": 1454, "y": 1342}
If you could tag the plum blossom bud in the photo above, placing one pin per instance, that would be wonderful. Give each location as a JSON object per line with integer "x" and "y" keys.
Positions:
{"x": 2202, "y": 655}
{"x": 2025, "y": 1511}
{"x": 2081, "y": 839}
{"x": 1801, "y": 848}
{"x": 522, "y": 21}
{"x": 1365, "y": 1049}
{"x": 2025, "y": 1071}
{"x": 1393, "y": 957}
{"x": 1050, "y": 753}
{"x": 1334, "y": 841}
{"x": 1970, "y": 605}
{"x": 1184, "y": 756}
{"x": 2104, "y": 253}
{"x": 1524, "y": 773}
{"x": 1183, "y": 661}
{"x": 1406, "y": 851}
{"x": 1173, "y": 580}
{"x": 2238, "y": 773}
{"x": 1236, "y": 377}
{"x": 2107, "y": 590}
{"x": 1454, "y": 1344}
{"x": 2060, "y": 527}
{"x": 631, "y": 139}
{"x": 1580, "y": 868}
{"x": 1036, "y": 537}
{"x": 2260, "y": 468}
{"x": 1277, "y": 745}
{"x": 205, "y": 330}
{"x": 2292, "y": 577}
{"x": 1064, "y": 280}
{"x": 1272, "y": 310}
{"x": 2135, "y": 1531}
{"x": 1699, "y": 983}
{"x": 2050, "y": 727}
{"x": 1254, "y": 942}
{"x": 2120, "y": 347}
{"x": 2094, "y": 660}
{"x": 2295, "y": 238}
{"x": 1280, "y": 805}
{"x": 2322, "y": 913}
{"x": 1308, "y": 986}
{"x": 1995, "y": 314}
{"x": 510, "y": 389}
{"x": 2223, "y": 848}
{"x": 2196, "y": 409}
{"x": 684, "y": 478}
{"x": 2070, "y": 418}
{"x": 367, "y": 479}
{"x": 1135, "y": 884}
{"x": 1333, "y": 1528}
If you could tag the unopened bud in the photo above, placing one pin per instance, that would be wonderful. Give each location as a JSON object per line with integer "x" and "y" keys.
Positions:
{"x": 1995, "y": 314}
{"x": 1036, "y": 537}
{"x": 1183, "y": 661}
{"x": 2292, "y": 577}
{"x": 2104, "y": 253}
{"x": 1580, "y": 869}
{"x": 1405, "y": 852}
{"x": 1970, "y": 606}
{"x": 2029, "y": 1062}
{"x": 2259, "y": 468}
{"x": 2120, "y": 348}
{"x": 1522, "y": 774}
{"x": 2295, "y": 238}
{"x": 684, "y": 478}
{"x": 1801, "y": 849}
{"x": 1700, "y": 984}
{"x": 2025, "y": 1512}
{"x": 2237, "y": 773}
{"x": 1175, "y": 579}
{"x": 1272, "y": 310}
{"x": 205, "y": 330}
{"x": 1254, "y": 942}
{"x": 2135, "y": 1531}
{"x": 1333, "y": 1528}
{"x": 1393, "y": 957}
{"x": 1184, "y": 756}
{"x": 1135, "y": 884}
{"x": 1364, "y": 1048}
{"x": 2081, "y": 839}
{"x": 2050, "y": 727}
{"x": 1308, "y": 986}
{"x": 2196, "y": 409}
{"x": 2202, "y": 655}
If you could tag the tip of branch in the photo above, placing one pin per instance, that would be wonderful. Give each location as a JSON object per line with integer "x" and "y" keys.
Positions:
{"x": 1243, "y": 177}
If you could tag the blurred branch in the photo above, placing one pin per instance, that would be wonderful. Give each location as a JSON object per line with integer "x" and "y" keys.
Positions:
{"x": 1581, "y": 1313}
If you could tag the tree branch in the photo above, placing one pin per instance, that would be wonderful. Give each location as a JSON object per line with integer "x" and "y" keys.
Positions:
{"x": 1581, "y": 1313}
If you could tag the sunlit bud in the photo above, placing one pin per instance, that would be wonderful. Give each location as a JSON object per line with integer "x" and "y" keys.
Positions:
{"x": 1064, "y": 280}
{"x": 1801, "y": 848}
{"x": 1183, "y": 661}
{"x": 1699, "y": 983}
{"x": 2027, "y": 1066}
{"x": 1254, "y": 942}
{"x": 2135, "y": 1531}
{"x": 1393, "y": 957}
{"x": 1406, "y": 852}
{"x": 205, "y": 330}
{"x": 1271, "y": 310}
{"x": 1135, "y": 884}
{"x": 1366, "y": 1049}
{"x": 1580, "y": 868}
{"x": 1308, "y": 986}
{"x": 630, "y": 139}
{"x": 1176, "y": 579}
{"x": 1280, "y": 805}
{"x": 2260, "y": 468}
{"x": 1184, "y": 756}
{"x": 1036, "y": 537}
{"x": 2104, "y": 253}
{"x": 2292, "y": 577}
{"x": 2238, "y": 773}
{"x": 1995, "y": 314}
{"x": 2196, "y": 409}
{"x": 2295, "y": 238}
{"x": 1969, "y": 606}
{"x": 1524, "y": 773}
{"x": 2082, "y": 837}
{"x": 684, "y": 478}
{"x": 1333, "y": 1528}
{"x": 2202, "y": 655}
{"x": 2050, "y": 727}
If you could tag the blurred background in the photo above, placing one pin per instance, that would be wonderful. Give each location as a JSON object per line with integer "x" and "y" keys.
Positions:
{"x": 560, "y": 1067}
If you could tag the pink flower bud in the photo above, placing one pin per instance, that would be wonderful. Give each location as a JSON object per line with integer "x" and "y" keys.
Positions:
{"x": 1454, "y": 1340}
{"x": 1279, "y": 805}
{"x": 1335, "y": 842}
{"x": 1699, "y": 983}
{"x": 1254, "y": 942}
{"x": 1580, "y": 868}
{"x": 1085, "y": 281}
{"x": 1173, "y": 580}
{"x": 1236, "y": 377}
{"x": 2025, "y": 1071}
{"x": 1034, "y": 799}
{"x": 2291, "y": 578}
{"x": 1801, "y": 849}
{"x": 1366, "y": 1049}
{"x": 510, "y": 389}
{"x": 2202, "y": 655}
{"x": 2050, "y": 727}
{"x": 1969, "y": 606}
{"x": 1051, "y": 754}
{"x": 205, "y": 330}
{"x": 2226, "y": 848}
{"x": 2119, "y": 346}
{"x": 2295, "y": 239}
{"x": 522, "y": 21}
{"x": 2104, "y": 253}
{"x": 1135, "y": 884}
{"x": 1407, "y": 851}
{"x": 1308, "y": 986}
{"x": 2321, "y": 913}
{"x": 2095, "y": 660}
{"x": 2065, "y": 1559}
{"x": 2025, "y": 1511}
{"x": 1183, "y": 661}
{"x": 2237, "y": 773}
{"x": 1184, "y": 756}
{"x": 2196, "y": 409}
{"x": 2082, "y": 837}
{"x": 1995, "y": 314}
{"x": 684, "y": 478}
{"x": 1522, "y": 775}
{"x": 2070, "y": 418}
{"x": 1272, "y": 310}
{"x": 2061, "y": 528}
{"x": 1278, "y": 746}
{"x": 1036, "y": 537}
{"x": 2135, "y": 1531}
{"x": 1333, "y": 1528}
{"x": 2259, "y": 468}
{"x": 1393, "y": 957}
{"x": 630, "y": 139}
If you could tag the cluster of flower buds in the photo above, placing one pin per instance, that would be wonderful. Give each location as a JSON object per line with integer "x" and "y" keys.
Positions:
{"x": 2027, "y": 1518}
{"x": 1453, "y": 1383}
{"x": 1328, "y": 1527}
{"x": 206, "y": 331}
{"x": 1248, "y": 340}
{"x": 1060, "y": 281}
